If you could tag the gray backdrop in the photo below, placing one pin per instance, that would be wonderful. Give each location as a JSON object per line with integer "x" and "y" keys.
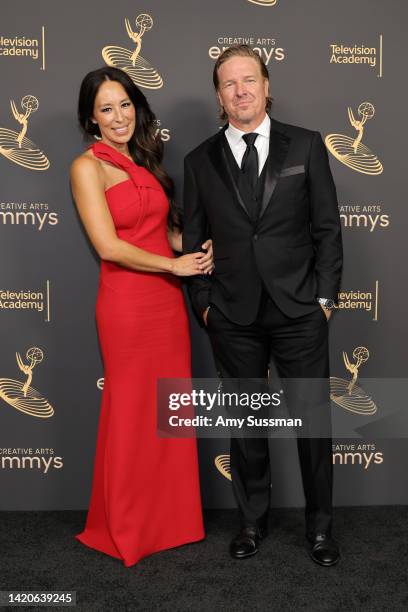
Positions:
{"x": 323, "y": 57}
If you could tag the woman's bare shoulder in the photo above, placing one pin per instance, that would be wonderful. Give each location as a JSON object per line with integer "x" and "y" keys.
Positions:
{"x": 86, "y": 164}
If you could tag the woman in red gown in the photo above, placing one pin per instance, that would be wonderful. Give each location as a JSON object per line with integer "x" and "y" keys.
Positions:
{"x": 145, "y": 494}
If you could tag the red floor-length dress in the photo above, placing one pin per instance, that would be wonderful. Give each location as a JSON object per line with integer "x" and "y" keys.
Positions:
{"x": 145, "y": 494}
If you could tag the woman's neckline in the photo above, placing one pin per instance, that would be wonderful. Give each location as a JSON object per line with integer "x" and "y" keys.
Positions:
{"x": 104, "y": 144}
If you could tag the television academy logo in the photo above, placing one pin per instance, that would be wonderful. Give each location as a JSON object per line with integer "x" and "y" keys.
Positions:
{"x": 367, "y": 301}
{"x": 15, "y": 146}
{"x": 352, "y": 152}
{"x": 140, "y": 70}
{"x": 27, "y": 300}
{"x": 22, "y": 396}
{"x": 24, "y": 47}
{"x": 346, "y": 393}
{"x": 357, "y": 55}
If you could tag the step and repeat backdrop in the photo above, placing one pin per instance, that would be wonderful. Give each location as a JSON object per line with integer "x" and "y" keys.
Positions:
{"x": 337, "y": 67}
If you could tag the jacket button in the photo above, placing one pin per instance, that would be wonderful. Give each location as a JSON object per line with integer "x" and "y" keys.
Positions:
{"x": 255, "y": 236}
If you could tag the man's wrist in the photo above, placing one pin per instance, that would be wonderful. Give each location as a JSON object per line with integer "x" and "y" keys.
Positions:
{"x": 327, "y": 303}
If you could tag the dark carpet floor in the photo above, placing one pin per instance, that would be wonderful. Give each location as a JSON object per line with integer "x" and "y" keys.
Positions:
{"x": 38, "y": 552}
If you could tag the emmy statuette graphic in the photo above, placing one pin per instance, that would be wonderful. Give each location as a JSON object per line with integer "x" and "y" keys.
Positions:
{"x": 15, "y": 145}
{"x": 348, "y": 394}
{"x": 222, "y": 463}
{"x": 22, "y": 396}
{"x": 139, "y": 69}
{"x": 351, "y": 151}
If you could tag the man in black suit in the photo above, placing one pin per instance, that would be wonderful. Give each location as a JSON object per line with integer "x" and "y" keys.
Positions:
{"x": 264, "y": 192}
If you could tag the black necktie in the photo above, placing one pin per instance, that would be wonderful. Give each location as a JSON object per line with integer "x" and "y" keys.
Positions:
{"x": 249, "y": 164}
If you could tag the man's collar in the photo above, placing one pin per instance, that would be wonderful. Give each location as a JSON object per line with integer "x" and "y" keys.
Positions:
{"x": 235, "y": 135}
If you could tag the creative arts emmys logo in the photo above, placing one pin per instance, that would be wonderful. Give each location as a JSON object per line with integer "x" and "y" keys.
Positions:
{"x": 364, "y": 216}
{"x": 15, "y": 145}
{"x": 139, "y": 69}
{"x": 42, "y": 459}
{"x": 352, "y": 152}
{"x": 342, "y": 454}
{"x": 346, "y": 393}
{"x": 22, "y": 396}
{"x": 34, "y": 214}
{"x": 162, "y": 132}
{"x": 266, "y": 47}
{"x": 364, "y": 454}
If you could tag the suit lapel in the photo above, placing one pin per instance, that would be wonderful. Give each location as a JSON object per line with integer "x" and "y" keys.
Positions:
{"x": 278, "y": 149}
{"x": 220, "y": 162}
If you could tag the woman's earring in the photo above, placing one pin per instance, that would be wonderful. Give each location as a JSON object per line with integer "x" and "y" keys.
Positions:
{"x": 95, "y": 135}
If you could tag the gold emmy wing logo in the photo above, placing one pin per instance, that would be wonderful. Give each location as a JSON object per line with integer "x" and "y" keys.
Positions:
{"x": 139, "y": 69}
{"x": 22, "y": 396}
{"x": 15, "y": 146}
{"x": 346, "y": 393}
{"x": 352, "y": 152}
{"x": 264, "y": 2}
{"x": 222, "y": 463}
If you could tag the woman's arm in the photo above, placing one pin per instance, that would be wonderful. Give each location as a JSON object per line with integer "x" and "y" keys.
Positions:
{"x": 88, "y": 191}
{"x": 175, "y": 240}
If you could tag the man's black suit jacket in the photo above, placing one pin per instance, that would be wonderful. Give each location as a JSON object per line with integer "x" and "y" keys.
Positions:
{"x": 294, "y": 249}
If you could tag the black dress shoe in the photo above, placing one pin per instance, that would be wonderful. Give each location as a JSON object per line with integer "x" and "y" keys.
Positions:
{"x": 324, "y": 550}
{"x": 245, "y": 544}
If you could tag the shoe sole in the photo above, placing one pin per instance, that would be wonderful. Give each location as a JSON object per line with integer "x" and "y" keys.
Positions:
{"x": 324, "y": 564}
{"x": 240, "y": 557}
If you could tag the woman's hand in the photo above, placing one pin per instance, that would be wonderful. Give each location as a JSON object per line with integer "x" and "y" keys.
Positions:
{"x": 207, "y": 260}
{"x": 194, "y": 263}
{"x": 187, "y": 265}
{"x": 175, "y": 240}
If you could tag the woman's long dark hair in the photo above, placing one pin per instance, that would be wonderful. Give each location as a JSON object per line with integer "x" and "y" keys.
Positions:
{"x": 144, "y": 147}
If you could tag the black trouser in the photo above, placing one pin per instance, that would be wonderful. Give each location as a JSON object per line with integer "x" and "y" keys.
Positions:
{"x": 299, "y": 349}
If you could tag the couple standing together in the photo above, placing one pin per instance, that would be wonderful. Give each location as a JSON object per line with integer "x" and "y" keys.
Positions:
{"x": 262, "y": 191}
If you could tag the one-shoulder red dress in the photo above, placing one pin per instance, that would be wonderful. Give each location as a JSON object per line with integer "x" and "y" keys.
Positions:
{"x": 145, "y": 493}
